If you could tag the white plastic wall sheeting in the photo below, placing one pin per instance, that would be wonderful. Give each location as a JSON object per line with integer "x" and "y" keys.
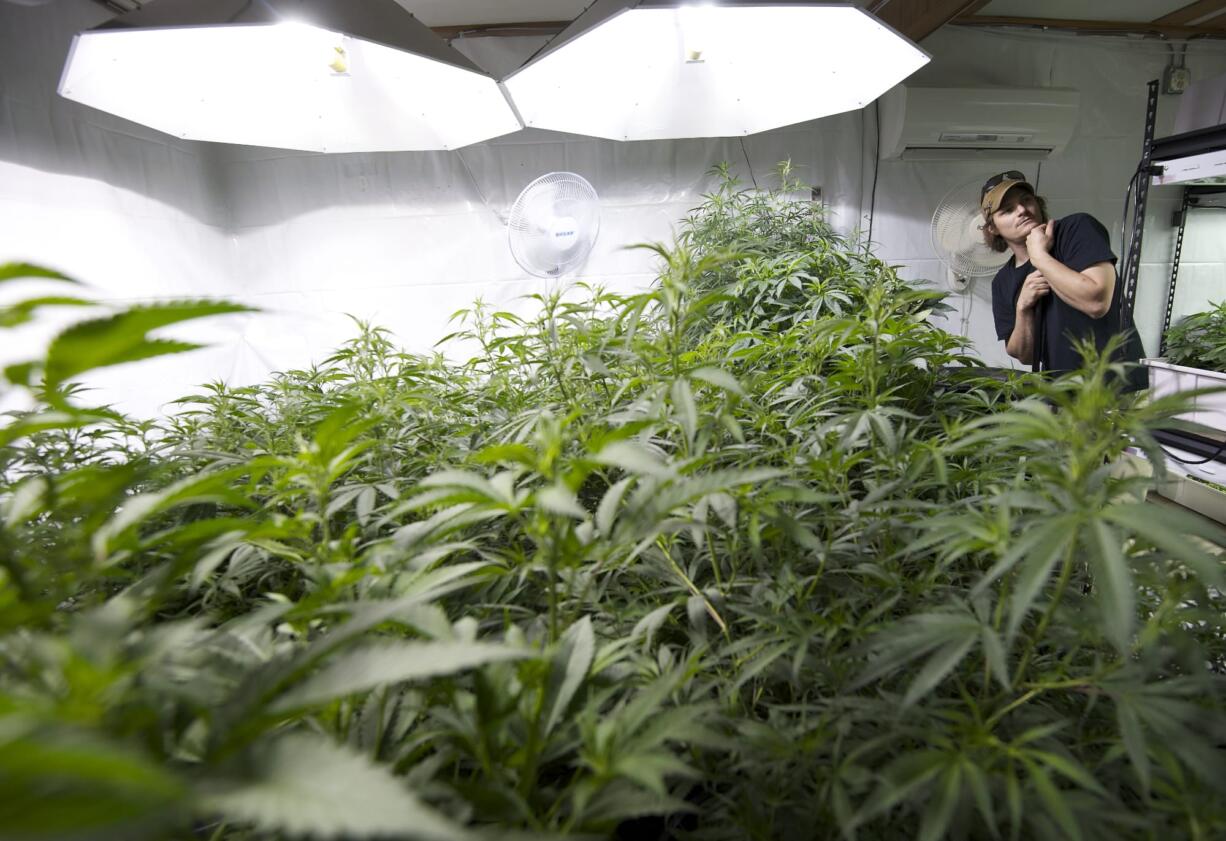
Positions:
{"x": 130, "y": 211}
{"x": 406, "y": 239}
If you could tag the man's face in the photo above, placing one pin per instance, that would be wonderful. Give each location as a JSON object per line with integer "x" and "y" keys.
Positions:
{"x": 1018, "y": 215}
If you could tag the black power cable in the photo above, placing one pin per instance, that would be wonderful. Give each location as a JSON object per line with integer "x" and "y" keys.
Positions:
{"x": 872, "y": 204}
{"x": 1213, "y": 457}
{"x": 748, "y": 165}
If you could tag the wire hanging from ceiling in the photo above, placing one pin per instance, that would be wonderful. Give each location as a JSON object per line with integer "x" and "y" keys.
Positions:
{"x": 872, "y": 205}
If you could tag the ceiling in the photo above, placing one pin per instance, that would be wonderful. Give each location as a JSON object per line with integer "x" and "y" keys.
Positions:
{"x": 916, "y": 18}
{"x": 477, "y": 12}
{"x": 1170, "y": 19}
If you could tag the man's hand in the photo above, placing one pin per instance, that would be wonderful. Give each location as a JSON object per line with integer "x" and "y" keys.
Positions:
{"x": 1038, "y": 241}
{"x": 1034, "y": 287}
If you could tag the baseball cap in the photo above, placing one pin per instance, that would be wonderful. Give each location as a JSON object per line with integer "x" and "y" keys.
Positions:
{"x": 994, "y": 189}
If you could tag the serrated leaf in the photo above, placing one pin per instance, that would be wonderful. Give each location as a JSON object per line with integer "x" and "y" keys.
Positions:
{"x": 73, "y": 785}
{"x": 1134, "y": 741}
{"x": 558, "y": 499}
{"x": 649, "y": 769}
{"x": 724, "y": 506}
{"x": 606, "y": 512}
{"x": 23, "y": 311}
{"x": 480, "y": 487}
{"x": 941, "y": 663}
{"x": 512, "y": 453}
{"x": 915, "y": 637}
{"x": 375, "y": 664}
{"x": 683, "y": 402}
{"x": 1053, "y": 799}
{"x": 305, "y": 786}
{"x": 569, "y": 668}
{"x": 25, "y": 500}
{"x": 994, "y": 654}
{"x": 19, "y": 271}
{"x": 902, "y": 777}
{"x": 1166, "y": 528}
{"x": 98, "y": 343}
{"x": 613, "y": 803}
{"x": 978, "y": 782}
{"x": 1071, "y": 769}
{"x": 20, "y": 373}
{"x": 1032, "y": 576}
{"x": 595, "y": 365}
{"x": 1113, "y": 582}
{"x": 649, "y": 624}
{"x": 940, "y": 811}
{"x": 1041, "y": 540}
{"x": 209, "y": 487}
{"x": 719, "y": 378}
{"x": 633, "y": 458}
{"x": 366, "y": 504}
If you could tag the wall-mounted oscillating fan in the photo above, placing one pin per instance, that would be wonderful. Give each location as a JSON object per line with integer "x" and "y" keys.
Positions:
{"x": 553, "y": 224}
{"x": 957, "y": 237}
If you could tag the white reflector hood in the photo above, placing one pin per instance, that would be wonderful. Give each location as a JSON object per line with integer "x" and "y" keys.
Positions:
{"x": 657, "y": 69}
{"x": 340, "y": 76}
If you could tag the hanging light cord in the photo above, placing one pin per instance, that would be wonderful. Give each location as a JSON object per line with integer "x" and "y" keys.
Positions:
{"x": 748, "y": 165}
{"x": 872, "y": 203}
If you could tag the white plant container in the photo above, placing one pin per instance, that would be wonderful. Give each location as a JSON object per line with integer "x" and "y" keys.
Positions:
{"x": 1180, "y": 486}
{"x": 1210, "y": 409}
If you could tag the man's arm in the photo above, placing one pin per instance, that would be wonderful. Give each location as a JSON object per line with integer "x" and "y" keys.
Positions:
{"x": 1020, "y": 344}
{"x": 1088, "y": 291}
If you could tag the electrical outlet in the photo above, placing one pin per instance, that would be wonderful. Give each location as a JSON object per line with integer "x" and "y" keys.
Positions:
{"x": 1175, "y": 80}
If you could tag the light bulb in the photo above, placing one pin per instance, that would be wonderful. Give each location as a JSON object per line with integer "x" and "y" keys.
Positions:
{"x": 340, "y": 62}
{"x": 696, "y": 25}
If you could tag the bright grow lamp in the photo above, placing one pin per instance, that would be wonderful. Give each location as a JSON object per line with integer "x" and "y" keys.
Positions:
{"x": 340, "y": 76}
{"x": 656, "y": 69}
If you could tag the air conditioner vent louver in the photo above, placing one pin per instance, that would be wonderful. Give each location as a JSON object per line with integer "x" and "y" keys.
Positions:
{"x": 976, "y": 123}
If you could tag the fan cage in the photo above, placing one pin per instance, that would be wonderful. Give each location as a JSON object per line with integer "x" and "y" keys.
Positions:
{"x": 548, "y": 213}
{"x": 956, "y": 234}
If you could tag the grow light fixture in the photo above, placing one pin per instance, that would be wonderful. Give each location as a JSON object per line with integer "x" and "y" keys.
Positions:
{"x": 318, "y": 75}
{"x": 656, "y": 69}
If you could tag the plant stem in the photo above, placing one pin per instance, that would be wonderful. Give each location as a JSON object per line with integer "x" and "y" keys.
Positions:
{"x": 693, "y": 588}
{"x": 1017, "y": 702}
{"x": 553, "y": 590}
{"x": 1066, "y": 572}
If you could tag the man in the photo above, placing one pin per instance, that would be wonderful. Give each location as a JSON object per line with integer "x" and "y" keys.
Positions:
{"x": 1059, "y": 284}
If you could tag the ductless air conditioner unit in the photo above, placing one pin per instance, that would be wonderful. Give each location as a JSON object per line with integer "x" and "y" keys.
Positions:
{"x": 1013, "y": 124}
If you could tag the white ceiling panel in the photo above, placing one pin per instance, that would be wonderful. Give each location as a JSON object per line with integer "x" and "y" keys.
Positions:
{"x": 1143, "y": 10}
{"x": 462, "y": 12}
{"x": 475, "y": 12}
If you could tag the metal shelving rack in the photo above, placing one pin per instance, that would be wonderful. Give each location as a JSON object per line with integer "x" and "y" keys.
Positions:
{"x": 1191, "y": 199}
{"x": 1190, "y": 159}
{"x": 1164, "y": 155}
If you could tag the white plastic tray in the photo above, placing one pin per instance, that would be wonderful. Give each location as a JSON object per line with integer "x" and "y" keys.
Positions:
{"x": 1165, "y": 378}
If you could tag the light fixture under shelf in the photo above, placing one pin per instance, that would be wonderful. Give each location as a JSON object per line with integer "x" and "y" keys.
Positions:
{"x": 318, "y": 75}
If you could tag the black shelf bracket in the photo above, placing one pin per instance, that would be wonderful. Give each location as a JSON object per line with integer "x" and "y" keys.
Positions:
{"x": 1170, "y": 288}
{"x": 1132, "y": 261}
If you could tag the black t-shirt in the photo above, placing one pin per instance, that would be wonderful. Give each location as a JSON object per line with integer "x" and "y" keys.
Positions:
{"x": 1078, "y": 241}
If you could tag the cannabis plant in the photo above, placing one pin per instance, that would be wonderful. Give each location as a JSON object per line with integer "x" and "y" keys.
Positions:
{"x": 1199, "y": 340}
{"x": 756, "y": 552}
